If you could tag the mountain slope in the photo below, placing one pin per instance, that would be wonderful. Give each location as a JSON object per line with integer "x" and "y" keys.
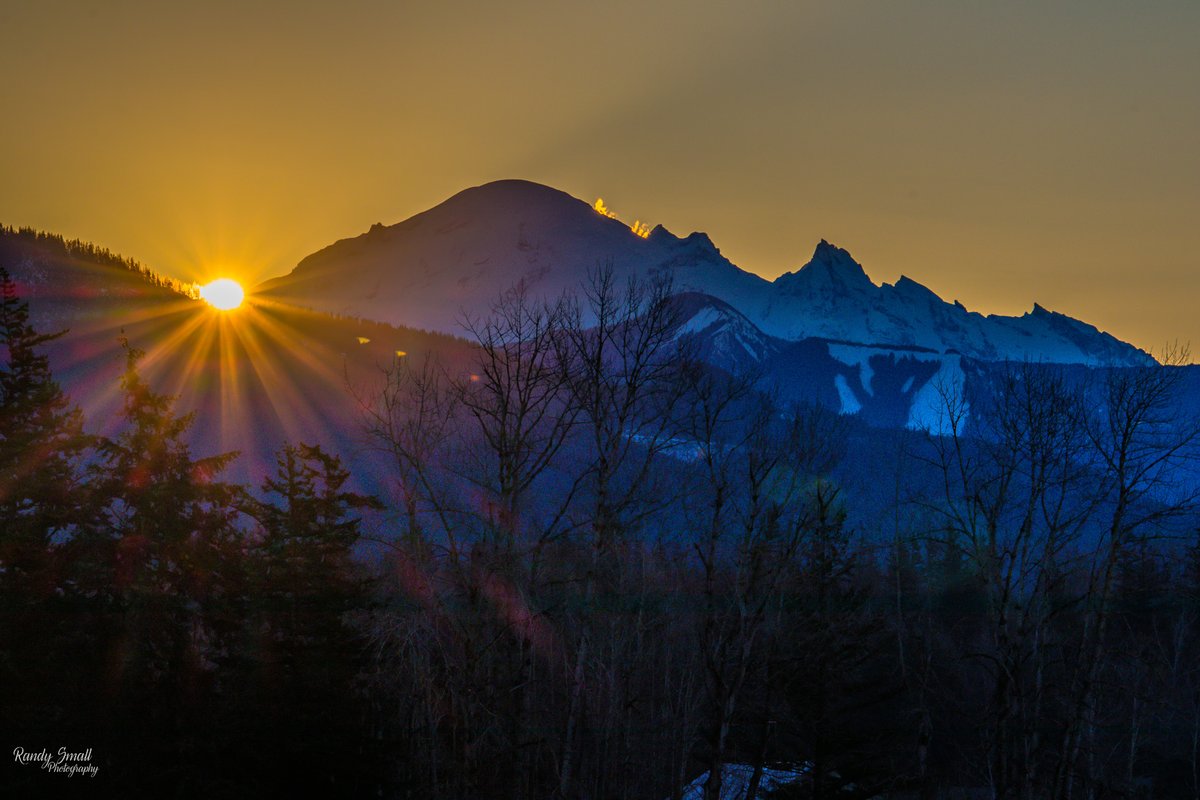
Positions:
{"x": 457, "y": 258}
{"x": 460, "y": 256}
{"x": 271, "y": 372}
{"x": 832, "y": 297}
{"x": 721, "y": 335}
{"x": 254, "y": 378}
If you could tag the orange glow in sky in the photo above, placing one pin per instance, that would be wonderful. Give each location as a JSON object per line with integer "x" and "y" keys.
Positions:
{"x": 998, "y": 153}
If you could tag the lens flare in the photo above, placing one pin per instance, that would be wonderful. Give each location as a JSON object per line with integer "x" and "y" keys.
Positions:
{"x": 224, "y": 293}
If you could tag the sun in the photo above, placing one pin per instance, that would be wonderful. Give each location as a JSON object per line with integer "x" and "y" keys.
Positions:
{"x": 225, "y": 294}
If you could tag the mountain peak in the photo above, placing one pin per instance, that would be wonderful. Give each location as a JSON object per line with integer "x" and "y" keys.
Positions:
{"x": 460, "y": 255}
{"x": 824, "y": 248}
{"x": 701, "y": 239}
{"x": 907, "y": 287}
{"x": 514, "y": 193}
{"x": 830, "y": 265}
{"x": 833, "y": 258}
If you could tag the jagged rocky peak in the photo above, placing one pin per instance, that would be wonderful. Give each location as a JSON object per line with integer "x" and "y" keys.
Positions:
{"x": 826, "y": 252}
{"x": 907, "y": 287}
{"x": 461, "y": 254}
{"x": 830, "y": 265}
{"x": 698, "y": 245}
{"x": 696, "y": 240}
{"x": 837, "y": 260}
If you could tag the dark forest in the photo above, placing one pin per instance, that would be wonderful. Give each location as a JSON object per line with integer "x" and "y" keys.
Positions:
{"x": 606, "y": 570}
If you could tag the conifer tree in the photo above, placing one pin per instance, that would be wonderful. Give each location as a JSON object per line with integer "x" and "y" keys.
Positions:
{"x": 303, "y": 577}
{"x": 160, "y": 546}
{"x": 307, "y": 539}
{"x": 41, "y": 446}
{"x": 164, "y": 511}
{"x": 156, "y": 569}
{"x": 304, "y": 658}
{"x": 41, "y": 443}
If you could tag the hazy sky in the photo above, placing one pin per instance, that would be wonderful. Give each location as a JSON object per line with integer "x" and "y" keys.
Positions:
{"x": 999, "y": 153}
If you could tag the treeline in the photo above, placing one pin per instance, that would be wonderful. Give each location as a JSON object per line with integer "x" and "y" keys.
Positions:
{"x": 15, "y": 242}
{"x": 612, "y": 571}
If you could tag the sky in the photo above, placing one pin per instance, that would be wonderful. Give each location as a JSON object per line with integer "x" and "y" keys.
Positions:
{"x": 1000, "y": 153}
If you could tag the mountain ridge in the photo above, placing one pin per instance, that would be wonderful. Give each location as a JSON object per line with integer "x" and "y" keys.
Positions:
{"x": 460, "y": 255}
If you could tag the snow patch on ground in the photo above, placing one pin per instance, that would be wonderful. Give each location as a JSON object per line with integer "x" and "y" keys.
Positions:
{"x": 735, "y": 780}
{"x": 936, "y": 404}
{"x": 850, "y": 403}
{"x": 701, "y": 321}
{"x": 859, "y": 356}
{"x": 853, "y": 356}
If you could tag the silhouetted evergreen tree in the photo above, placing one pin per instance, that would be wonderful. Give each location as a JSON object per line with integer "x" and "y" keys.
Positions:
{"x": 158, "y": 563}
{"x": 307, "y": 539}
{"x": 41, "y": 447}
{"x": 299, "y": 707}
{"x": 41, "y": 443}
{"x": 163, "y": 513}
{"x": 835, "y": 669}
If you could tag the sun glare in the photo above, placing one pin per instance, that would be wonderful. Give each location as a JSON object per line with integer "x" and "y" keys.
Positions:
{"x": 223, "y": 293}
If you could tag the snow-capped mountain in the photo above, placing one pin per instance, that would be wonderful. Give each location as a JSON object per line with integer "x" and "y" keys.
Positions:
{"x": 832, "y": 297}
{"x": 459, "y": 256}
{"x": 722, "y": 335}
